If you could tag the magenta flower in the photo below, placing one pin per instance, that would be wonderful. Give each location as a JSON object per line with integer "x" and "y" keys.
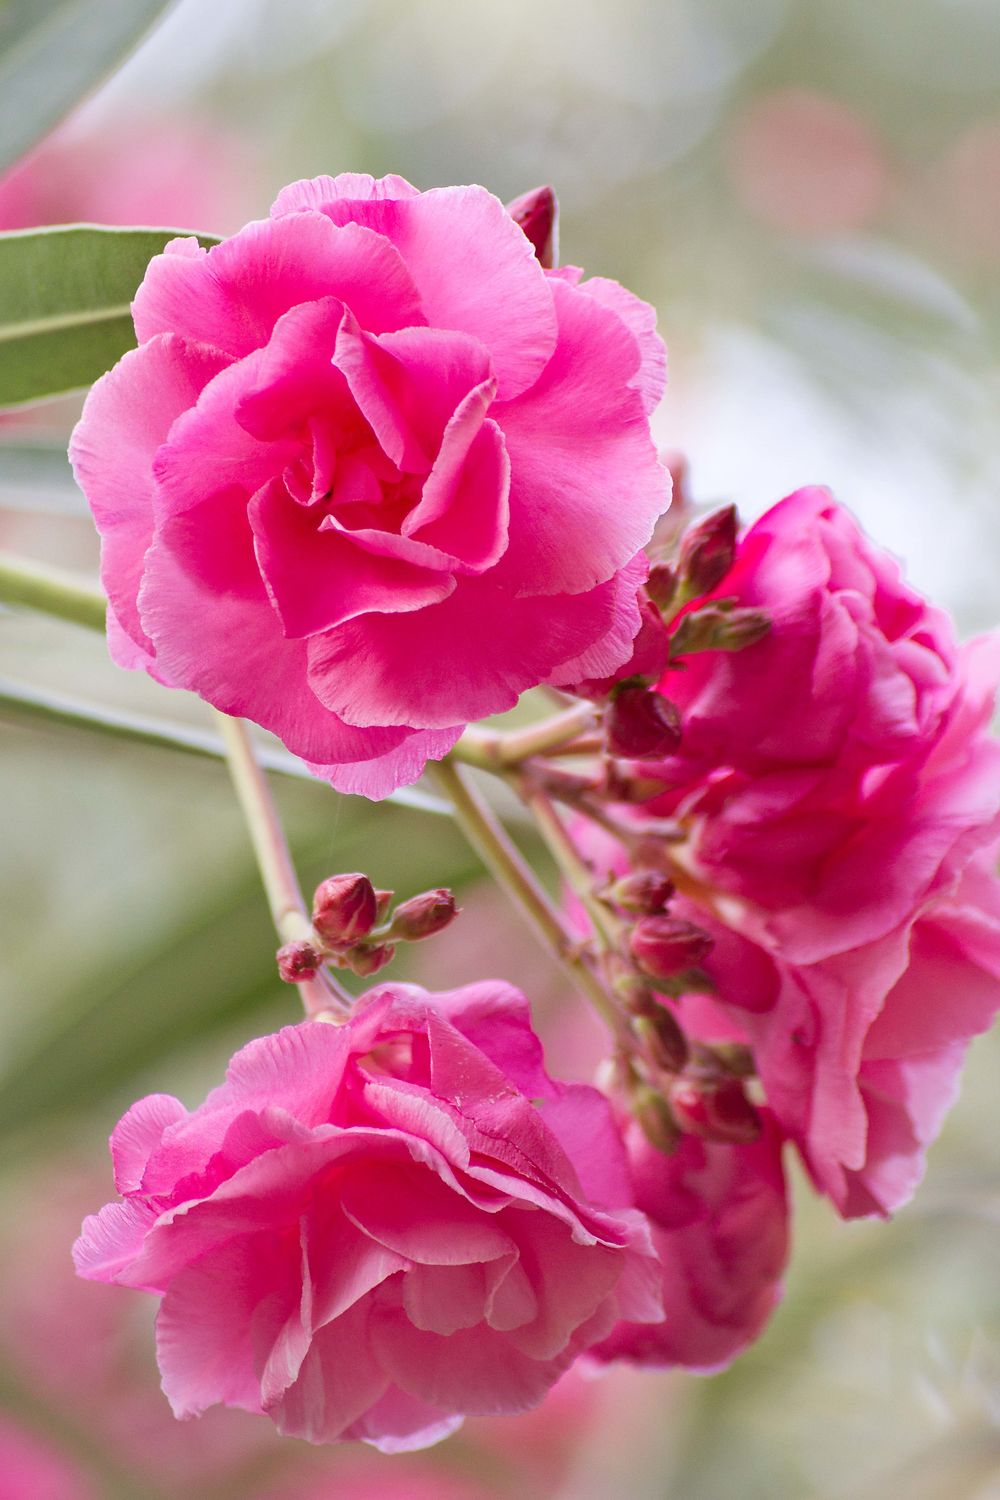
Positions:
{"x": 372, "y": 472}
{"x": 841, "y": 795}
{"x": 372, "y": 1229}
{"x": 720, "y": 1225}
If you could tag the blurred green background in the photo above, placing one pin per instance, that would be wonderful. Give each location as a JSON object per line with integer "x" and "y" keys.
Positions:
{"x": 809, "y": 191}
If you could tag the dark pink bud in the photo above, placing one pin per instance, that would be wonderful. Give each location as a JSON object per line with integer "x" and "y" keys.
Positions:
{"x": 718, "y": 627}
{"x": 298, "y": 961}
{"x": 365, "y": 960}
{"x": 642, "y": 725}
{"x": 345, "y": 909}
{"x": 643, "y": 892}
{"x": 662, "y": 1038}
{"x": 665, "y": 946}
{"x": 707, "y": 550}
{"x": 537, "y": 213}
{"x": 424, "y": 915}
{"x": 661, "y": 585}
{"x": 716, "y": 1110}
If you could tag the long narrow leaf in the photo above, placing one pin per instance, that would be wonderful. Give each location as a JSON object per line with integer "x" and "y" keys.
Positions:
{"x": 21, "y": 700}
{"x": 65, "y": 296}
{"x": 52, "y": 53}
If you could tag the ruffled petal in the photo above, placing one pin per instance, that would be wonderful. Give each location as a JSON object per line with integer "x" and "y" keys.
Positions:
{"x": 232, "y": 295}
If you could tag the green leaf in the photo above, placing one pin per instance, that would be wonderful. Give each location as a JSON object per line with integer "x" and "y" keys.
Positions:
{"x": 65, "y": 296}
{"x": 52, "y": 53}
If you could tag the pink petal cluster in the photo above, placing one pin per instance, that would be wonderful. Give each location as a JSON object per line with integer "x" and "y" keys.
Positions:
{"x": 720, "y": 1226}
{"x": 372, "y": 472}
{"x": 375, "y": 1228}
{"x": 841, "y": 793}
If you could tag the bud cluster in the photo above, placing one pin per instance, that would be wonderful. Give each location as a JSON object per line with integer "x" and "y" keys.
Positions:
{"x": 354, "y": 928}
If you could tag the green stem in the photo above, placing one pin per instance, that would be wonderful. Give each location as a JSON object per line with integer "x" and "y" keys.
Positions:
{"x": 52, "y": 591}
{"x": 491, "y": 750}
{"x": 284, "y": 897}
{"x": 505, "y": 863}
{"x": 578, "y": 874}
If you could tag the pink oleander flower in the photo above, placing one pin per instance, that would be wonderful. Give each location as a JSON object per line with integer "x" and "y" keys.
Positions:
{"x": 720, "y": 1225}
{"x": 372, "y": 472}
{"x": 841, "y": 793}
{"x": 374, "y": 1228}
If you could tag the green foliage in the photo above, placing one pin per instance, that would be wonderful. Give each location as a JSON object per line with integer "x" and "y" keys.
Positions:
{"x": 52, "y": 52}
{"x": 65, "y": 296}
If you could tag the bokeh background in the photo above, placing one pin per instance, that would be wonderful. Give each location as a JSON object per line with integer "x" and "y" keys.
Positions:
{"x": 809, "y": 191}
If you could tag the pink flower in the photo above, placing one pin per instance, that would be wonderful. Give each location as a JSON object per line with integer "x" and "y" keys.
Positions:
{"x": 720, "y": 1225}
{"x": 372, "y": 472}
{"x": 372, "y": 1229}
{"x": 841, "y": 795}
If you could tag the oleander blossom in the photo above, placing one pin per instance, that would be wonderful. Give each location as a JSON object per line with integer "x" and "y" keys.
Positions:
{"x": 373, "y": 1229}
{"x": 373, "y": 471}
{"x": 719, "y": 1215}
{"x": 841, "y": 794}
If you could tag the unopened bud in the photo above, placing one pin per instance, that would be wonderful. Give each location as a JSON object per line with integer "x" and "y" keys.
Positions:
{"x": 642, "y": 725}
{"x": 383, "y": 900}
{"x": 537, "y": 214}
{"x": 344, "y": 909}
{"x": 665, "y": 946}
{"x": 641, "y": 891}
{"x": 424, "y": 915}
{"x": 662, "y": 1038}
{"x": 367, "y": 959}
{"x": 661, "y": 585}
{"x": 716, "y": 1110}
{"x": 298, "y": 961}
{"x": 655, "y": 1118}
{"x": 718, "y": 627}
{"x": 707, "y": 550}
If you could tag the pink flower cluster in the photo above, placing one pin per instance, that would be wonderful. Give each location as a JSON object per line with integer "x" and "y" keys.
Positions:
{"x": 371, "y": 1230}
{"x": 373, "y": 471}
{"x": 842, "y": 796}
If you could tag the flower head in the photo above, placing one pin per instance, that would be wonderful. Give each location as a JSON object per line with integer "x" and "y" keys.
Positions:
{"x": 373, "y": 1229}
{"x": 373, "y": 471}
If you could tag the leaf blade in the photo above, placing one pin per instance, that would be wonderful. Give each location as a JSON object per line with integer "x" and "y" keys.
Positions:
{"x": 65, "y": 304}
{"x": 52, "y": 53}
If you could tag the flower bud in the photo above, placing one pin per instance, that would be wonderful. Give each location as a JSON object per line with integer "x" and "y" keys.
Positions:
{"x": 383, "y": 900}
{"x": 662, "y": 1038}
{"x": 707, "y": 550}
{"x": 661, "y": 585}
{"x": 641, "y": 891}
{"x": 298, "y": 961}
{"x": 642, "y": 725}
{"x": 537, "y": 214}
{"x": 345, "y": 909}
{"x": 718, "y": 627}
{"x": 665, "y": 946}
{"x": 715, "y": 1110}
{"x": 424, "y": 915}
{"x": 655, "y": 1118}
{"x": 368, "y": 959}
